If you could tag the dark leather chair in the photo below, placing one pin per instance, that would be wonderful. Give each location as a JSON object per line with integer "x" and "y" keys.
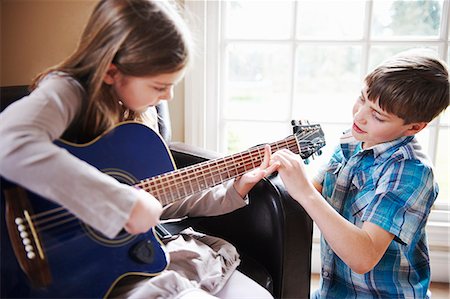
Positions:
{"x": 273, "y": 234}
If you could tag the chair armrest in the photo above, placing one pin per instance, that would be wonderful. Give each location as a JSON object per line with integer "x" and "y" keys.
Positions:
{"x": 273, "y": 230}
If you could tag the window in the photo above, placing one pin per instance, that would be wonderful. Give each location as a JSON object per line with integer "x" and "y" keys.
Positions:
{"x": 267, "y": 62}
{"x": 261, "y": 64}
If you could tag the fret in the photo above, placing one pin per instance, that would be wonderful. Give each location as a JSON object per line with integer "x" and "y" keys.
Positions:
{"x": 168, "y": 184}
{"x": 233, "y": 166}
{"x": 226, "y": 168}
{"x": 196, "y": 175}
{"x": 202, "y": 177}
{"x": 242, "y": 163}
{"x": 189, "y": 173}
{"x": 179, "y": 183}
{"x": 222, "y": 167}
{"x": 214, "y": 169}
{"x": 211, "y": 170}
{"x": 255, "y": 158}
{"x": 209, "y": 179}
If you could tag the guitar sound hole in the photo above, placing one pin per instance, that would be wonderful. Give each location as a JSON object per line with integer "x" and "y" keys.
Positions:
{"x": 123, "y": 237}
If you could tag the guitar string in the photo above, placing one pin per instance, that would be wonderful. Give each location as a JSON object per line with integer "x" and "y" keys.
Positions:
{"x": 40, "y": 223}
{"x": 64, "y": 233}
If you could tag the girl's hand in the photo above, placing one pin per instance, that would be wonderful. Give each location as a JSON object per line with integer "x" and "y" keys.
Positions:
{"x": 145, "y": 214}
{"x": 246, "y": 182}
{"x": 293, "y": 174}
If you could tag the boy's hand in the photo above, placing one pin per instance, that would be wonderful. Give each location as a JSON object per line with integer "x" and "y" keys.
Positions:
{"x": 246, "y": 182}
{"x": 292, "y": 172}
{"x": 145, "y": 214}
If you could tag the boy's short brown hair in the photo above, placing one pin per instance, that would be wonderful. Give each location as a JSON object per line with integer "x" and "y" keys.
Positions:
{"x": 413, "y": 86}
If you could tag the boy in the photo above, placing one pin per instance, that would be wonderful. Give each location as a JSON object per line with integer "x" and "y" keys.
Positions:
{"x": 378, "y": 186}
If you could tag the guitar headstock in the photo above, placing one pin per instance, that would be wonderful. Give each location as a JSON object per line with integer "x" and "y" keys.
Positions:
{"x": 310, "y": 138}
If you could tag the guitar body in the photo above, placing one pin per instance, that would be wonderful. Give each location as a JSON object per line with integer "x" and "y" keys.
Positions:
{"x": 75, "y": 260}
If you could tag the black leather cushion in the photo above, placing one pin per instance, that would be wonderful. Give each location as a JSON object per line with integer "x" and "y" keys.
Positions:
{"x": 9, "y": 94}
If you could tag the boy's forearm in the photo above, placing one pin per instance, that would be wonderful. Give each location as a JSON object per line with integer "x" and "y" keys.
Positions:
{"x": 358, "y": 248}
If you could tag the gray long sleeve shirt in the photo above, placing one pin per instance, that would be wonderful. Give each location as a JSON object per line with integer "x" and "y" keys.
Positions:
{"x": 29, "y": 157}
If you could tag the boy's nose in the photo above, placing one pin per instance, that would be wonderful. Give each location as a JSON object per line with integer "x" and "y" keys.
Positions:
{"x": 360, "y": 116}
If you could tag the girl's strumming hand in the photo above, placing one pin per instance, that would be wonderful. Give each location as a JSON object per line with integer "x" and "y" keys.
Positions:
{"x": 145, "y": 214}
{"x": 246, "y": 182}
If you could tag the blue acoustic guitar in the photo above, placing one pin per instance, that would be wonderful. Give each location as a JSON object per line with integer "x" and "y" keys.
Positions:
{"x": 46, "y": 252}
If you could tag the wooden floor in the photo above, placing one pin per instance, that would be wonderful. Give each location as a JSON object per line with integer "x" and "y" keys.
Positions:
{"x": 438, "y": 290}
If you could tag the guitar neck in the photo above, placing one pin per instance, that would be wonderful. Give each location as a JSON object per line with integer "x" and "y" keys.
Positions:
{"x": 178, "y": 184}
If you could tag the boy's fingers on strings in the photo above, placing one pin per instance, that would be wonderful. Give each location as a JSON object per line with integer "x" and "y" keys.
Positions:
{"x": 283, "y": 157}
{"x": 267, "y": 155}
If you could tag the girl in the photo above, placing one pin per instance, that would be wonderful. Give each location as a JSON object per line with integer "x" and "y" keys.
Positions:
{"x": 130, "y": 56}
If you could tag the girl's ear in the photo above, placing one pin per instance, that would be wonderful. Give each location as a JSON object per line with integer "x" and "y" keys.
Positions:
{"x": 110, "y": 75}
{"x": 415, "y": 128}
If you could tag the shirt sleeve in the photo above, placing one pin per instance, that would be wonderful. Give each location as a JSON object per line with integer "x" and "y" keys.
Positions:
{"x": 319, "y": 177}
{"x": 29, "y": 157}
{"x": 403, "y": 199}
{"x": 218, "y": 200}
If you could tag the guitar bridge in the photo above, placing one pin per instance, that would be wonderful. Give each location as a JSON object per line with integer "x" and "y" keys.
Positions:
{"x": 24, "y": 238}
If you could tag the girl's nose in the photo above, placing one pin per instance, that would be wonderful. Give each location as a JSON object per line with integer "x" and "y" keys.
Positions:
{"x": 168, "y": 95}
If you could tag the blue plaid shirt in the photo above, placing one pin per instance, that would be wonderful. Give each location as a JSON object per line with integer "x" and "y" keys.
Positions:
{"x": 392, "y": 186}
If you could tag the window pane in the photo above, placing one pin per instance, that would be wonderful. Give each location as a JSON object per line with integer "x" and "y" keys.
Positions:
{"x": 258, "y": 19}
{"x": 327, "y": 82}
{"x": 258, "y": 81}
{"x": 332, "y": 135}
{"x": 406, "y": 18}
{"x": 330, "y": 19}
{"x": 442, "y": 165}
{"x": 445, "y": 118}
{"x": 424, "y": 139}
{"x": 380, "y": 53}
{"x": 243, "y": 135}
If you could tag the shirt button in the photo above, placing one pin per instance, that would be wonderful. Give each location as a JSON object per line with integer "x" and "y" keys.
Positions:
{"x": 325, "y": 274}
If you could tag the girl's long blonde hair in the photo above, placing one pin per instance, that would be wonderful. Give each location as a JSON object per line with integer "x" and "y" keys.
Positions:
{"x": 140, "y": 37}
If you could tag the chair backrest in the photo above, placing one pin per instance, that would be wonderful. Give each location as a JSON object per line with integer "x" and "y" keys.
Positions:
{"x": 10, "y": 94}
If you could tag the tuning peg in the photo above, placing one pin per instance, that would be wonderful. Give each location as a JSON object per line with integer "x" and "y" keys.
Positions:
{"x": 306, "y": 161}
{"x": 319, "y": 152}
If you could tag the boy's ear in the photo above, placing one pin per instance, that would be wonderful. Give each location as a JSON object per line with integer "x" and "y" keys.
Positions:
{"x": 415, "y": 128}
{"x": 110, "y": 75}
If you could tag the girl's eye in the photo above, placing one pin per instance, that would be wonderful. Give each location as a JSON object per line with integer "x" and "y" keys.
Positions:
{"x": 361, "y": 99}
{"x": 160, "y": 89}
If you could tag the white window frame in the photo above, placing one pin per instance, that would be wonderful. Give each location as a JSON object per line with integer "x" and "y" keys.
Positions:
{"x": 202, "y": 114}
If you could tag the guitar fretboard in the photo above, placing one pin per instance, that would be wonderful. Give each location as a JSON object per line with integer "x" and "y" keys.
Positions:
{"x": 177, "y": 184}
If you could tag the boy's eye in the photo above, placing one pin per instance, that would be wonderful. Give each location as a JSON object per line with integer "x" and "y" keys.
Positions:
{"x": 377, "y": 118}
{"x": 361, "y": 99}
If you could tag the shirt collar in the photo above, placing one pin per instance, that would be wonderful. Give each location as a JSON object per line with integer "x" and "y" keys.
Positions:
{"x": 350, "y": 146}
